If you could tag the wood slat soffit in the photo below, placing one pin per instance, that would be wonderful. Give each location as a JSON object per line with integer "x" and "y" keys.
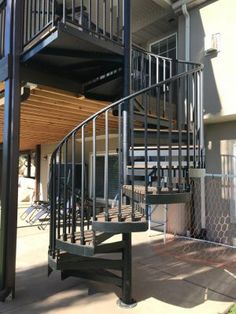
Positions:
{"x": 48, "y": 114}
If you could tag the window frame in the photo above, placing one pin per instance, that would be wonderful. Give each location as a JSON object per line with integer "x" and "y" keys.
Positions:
{"x": 165, "y": 38}
{"x": 99, "y": 154}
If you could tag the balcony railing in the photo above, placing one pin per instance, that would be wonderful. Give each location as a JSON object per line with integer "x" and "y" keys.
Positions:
{"x": 100, "y": 18}
{"x": 2, "y": 27}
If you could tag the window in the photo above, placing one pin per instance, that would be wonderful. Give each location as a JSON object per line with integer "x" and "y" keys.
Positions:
{"x": 112, "y": 176}
{"x": 165, "y": 47}
{"x": 27, "y": 165}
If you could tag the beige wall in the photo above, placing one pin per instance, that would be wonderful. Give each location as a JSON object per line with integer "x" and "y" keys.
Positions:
{"x": 220, "y": 141}
{"x": 219, "y": 73}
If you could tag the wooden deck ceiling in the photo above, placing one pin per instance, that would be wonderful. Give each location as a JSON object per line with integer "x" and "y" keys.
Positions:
{"x": 49, "y": 114}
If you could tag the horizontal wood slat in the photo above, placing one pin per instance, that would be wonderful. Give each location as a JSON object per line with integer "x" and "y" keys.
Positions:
{"x": 49, "y": 114}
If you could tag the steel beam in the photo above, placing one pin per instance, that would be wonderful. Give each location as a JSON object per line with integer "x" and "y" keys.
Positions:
{"x": 14, "y": 12}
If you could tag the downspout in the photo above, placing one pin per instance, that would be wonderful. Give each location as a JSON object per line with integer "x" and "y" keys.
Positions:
{"x": 187, "y": 32}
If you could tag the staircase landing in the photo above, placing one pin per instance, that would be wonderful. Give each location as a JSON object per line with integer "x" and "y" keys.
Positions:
{"x": 69, "y": 52}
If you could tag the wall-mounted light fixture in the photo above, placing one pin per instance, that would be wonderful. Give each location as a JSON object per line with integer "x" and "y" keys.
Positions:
{"x": 212, "y": 44}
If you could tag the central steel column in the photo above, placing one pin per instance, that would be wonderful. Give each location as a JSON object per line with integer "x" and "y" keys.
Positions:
{"x": 14, "y": 12}
{"x": 127, "y": 82}
{"x": 126, "y": 299}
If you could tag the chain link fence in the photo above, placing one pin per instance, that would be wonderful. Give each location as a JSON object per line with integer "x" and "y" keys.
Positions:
{"x": 214, "y": 218}
{"x": 204, "y": 229}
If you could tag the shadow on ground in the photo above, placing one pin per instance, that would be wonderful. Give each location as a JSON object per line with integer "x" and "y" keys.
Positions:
{"x": 159, "y": 273}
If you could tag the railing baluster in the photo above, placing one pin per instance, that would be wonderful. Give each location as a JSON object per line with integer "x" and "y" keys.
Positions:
{"x": 53, "y": 209}
{"x": 180, "y": 112}
{"x": 73, "y": 10}
{"x": 82, "y": 12}
{"x": 89, "y": 14}
{"x": 43, "y": 13}
{"x": 120, "y": 159}
{"x": 53, "y": 11}
{"x": 157, "y": 70}
{"x": 199, "y": 118}
{"x": 34, "y": 18}
{"x": 194, "y": 119}
{"x": 28, "y": 19}
{"x": 149, "y": 70}
{"x": 106, "y": 178}
{"x": 158, "y": 110}
{"x": 112, "y": 19}
{"x": 94, "y": 169}
{"x": 171, "y": 68}
{"x": 170, "y": 181}
{"x": 38, "y": 16}
{"x": 164, "y": 87}
{"x": 64, "y": 11}
{"x": 132, "y": 154}
{"x": 146, "y": 149}
{"x": 201, "y": 121}
{"x": 142, "y": 72}
{"x": 104, "y": 17}
{"x": 65, "y": 194}
{"x": 59, "y": 195}
{"x": 188, "y": 129}
{"x": 48, "y": 11}
{"x": 97, "y": 16}
{"x": 73, "y": 228}
{"x": 82, "y": 238}
{"x": 118, "y": 22}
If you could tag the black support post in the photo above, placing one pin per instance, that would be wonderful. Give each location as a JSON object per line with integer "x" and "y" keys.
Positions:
{"x": 127, "y": 82}
{"x": 126, "y": 299}
{"x": 13, "y": 33}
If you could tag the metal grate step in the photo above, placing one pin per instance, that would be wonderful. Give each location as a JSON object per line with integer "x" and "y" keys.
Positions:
{"x": 154, "y": 196}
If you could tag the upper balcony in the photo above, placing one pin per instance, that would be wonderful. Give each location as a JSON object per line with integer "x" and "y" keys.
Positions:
{"x": 77, "y": 40}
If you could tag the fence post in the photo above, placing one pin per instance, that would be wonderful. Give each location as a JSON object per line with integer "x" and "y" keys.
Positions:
{"x": 201, "y": 173}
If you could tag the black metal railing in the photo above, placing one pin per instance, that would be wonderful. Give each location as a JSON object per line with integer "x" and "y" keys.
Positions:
{"x": 70, "y": 213}
{"x": 2, "y": 27}
{"x": 101, "y": 18}
{"x": 149, "y": 69}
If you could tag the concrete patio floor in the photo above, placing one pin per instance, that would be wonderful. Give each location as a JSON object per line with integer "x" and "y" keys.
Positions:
{"x": 163, "y": 283}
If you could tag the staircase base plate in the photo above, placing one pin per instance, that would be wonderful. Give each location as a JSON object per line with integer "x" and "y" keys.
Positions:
{"x": 123, "y": 305}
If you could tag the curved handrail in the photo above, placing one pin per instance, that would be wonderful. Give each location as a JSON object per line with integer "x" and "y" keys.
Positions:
{"x": 126, "y": 99}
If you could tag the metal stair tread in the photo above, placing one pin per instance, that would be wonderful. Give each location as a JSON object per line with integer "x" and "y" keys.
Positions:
{"x": 151, "y": 165}
{"x": 150, "y": 115}
{"x": 154, "y": 196}
{"x": 151, "y": 147}
{"x": 160, "y": 131}
{"x": 126, "y": 214}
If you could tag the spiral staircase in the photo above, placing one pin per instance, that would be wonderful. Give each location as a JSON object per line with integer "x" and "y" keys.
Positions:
{"x": 158, "y": 129}
{"x": 163, "y": 121}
